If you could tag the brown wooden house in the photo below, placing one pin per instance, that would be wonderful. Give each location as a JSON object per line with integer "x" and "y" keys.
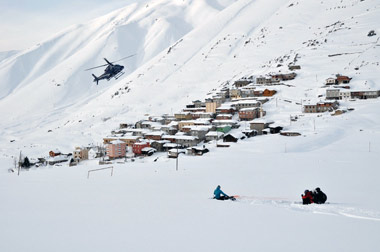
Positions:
{"x": 54, "y": 153}
{"x": 341, "y": 79}
{"x": 268, "y": 93}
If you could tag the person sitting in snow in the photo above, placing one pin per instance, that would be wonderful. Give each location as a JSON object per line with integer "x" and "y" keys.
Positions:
{"x": 220, "y": 195}
{"x": 319, "y": 196}
{"x": 307, "y": 198}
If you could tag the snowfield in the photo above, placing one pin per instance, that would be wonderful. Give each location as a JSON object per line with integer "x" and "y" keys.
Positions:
{"x": 149, "y": 206}
{"x": 189, "y": 50}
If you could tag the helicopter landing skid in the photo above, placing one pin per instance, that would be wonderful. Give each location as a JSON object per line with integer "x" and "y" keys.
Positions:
{"x": 117, "y": 76}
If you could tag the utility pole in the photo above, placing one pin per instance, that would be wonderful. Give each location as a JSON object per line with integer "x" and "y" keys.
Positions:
{"x": 176, "y": 163}
{"x": 19, "y": 165}
{"x": 369, "y": 146}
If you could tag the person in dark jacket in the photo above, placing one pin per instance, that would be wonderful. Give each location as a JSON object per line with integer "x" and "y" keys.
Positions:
{"x": 220, "y": 195}
{"x": 319, "y": 196}
{"x": 307, "y": 198}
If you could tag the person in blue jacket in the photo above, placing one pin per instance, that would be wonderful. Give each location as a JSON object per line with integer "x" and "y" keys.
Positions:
{"x": 220, "y": 195}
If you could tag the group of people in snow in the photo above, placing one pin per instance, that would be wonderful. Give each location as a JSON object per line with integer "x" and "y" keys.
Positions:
{"x": 316, "y": 196}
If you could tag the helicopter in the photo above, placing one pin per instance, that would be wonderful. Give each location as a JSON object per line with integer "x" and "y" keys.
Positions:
{"x": 111, "y": 71}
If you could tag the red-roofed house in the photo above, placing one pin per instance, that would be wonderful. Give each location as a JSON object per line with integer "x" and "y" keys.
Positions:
{"x": 137, "y": 147}
{"x": 341, "y": 79}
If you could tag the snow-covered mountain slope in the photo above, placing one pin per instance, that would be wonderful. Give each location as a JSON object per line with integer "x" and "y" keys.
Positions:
{"x": 53, "y": 71}
{"x": 7, "y": 54}
{"x": 209, "y": 45}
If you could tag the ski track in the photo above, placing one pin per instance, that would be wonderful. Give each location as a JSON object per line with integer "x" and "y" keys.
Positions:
{"x": 335, "y": 209}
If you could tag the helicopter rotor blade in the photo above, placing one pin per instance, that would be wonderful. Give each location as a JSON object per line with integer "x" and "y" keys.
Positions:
{"x": 111, "y": 62}
{"x": 124, "y": 58}
{"x": 96, "y": 67}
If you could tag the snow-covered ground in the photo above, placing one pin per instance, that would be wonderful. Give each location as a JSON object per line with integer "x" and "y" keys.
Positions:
{"x": 186, "y": 50}
{"x": 149, "y": 206}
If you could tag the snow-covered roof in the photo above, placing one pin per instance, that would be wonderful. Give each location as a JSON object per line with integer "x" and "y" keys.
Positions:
{"x": 180, "y": 133}
{"x": 186, "y": 138}
{"x": 135, "y": 130}
{"x": 148, "y": 149}
{"x": 141, "y": 143}
{"x": 265, "y": 121}
{"x": 203, "y": 113}
{"x": 215, "y": 133}
{"x": 202, "y": 121}
{"x": 275, "y": 125}
{"x": 248, "y": 109}
{"x": 364, "y": 90}
{"x": 175, "y": 150}
{"x": 224, "y": 121}
{"x": 156, "y": 118}
{"x": 130, "y": 137}
{"x": 226, "y": 115}
{"x": 225, "y": 106}
{"x": 236, "y": 134}
{"x": 157, "y": 127}
{"x": 247, "y": 102}
{"x": 200, "y": 128}
{"x": 168, "y": 137}
{"x": 172, "y": 123}
{"x": 170, "y": 145}
{"x": 186, "y": 121}
{"x": 151, "y": 123}
{"x": 156, "y": 133}
{"x": 160, "y": 141}
{"x": 117, "y": 142}
{"x": 198, "y": 148}
{"x": 58, "y": 158}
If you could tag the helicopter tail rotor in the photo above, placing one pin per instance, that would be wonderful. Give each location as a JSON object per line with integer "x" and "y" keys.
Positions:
{"x": 96, "y": 79}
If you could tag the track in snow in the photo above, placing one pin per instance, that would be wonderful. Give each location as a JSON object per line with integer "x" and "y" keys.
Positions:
{"x": 336, "y": 209}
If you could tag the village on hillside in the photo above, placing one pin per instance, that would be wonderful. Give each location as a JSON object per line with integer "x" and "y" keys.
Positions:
{"x": 227, "y": 116}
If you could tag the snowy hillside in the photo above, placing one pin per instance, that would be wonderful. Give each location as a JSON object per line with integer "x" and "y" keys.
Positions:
{"x": 185, "y": 51}
{"x": 50, "y": 77}
{"x": 7, "y": 54}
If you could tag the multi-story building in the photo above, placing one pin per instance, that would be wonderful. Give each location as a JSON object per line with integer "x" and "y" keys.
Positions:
{"x": 320, "y": 107}
{"x": 241, "y": 83}
{"x": 182, "y": 124}
{"x": 116, "y": 149}
{"x": 260, "y": 125}
{"x": 212, "y": 105}
{"x": 246, "y": 104}
{"x": 332, "y": 94}
{"x": 80, "y": 153}
{"x": 248, "y": 114}
{"x": 183, "y": 116}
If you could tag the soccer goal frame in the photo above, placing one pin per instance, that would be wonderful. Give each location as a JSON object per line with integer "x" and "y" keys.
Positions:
{"x": 100, "y": 169}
